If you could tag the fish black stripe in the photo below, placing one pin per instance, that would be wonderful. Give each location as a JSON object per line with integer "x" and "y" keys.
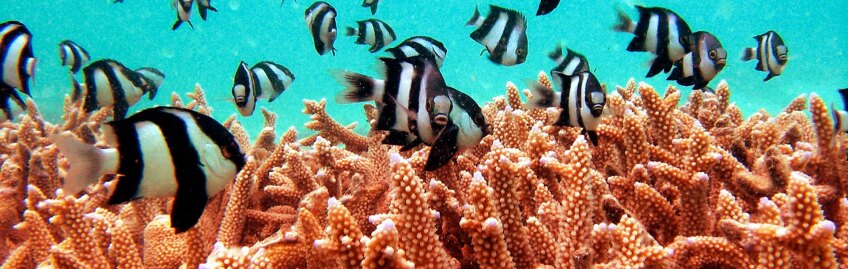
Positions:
{"x": 77, "y": 64}
{"x": 581, "y": 99}
{"x": 378, "y": 36}
{"x": 215, "y": 131}
{"x": 422, "y": 50}
{"x": 565, "y": 99}
{"x": 130, "y": 162}
{"x": 393, "y": 70}
{"x": 639, "y": 40}
{"x": 276, "y": 82}
{"x": 663, "y": 41}
{"x": 191, "y": 193}
{"x": 362, "y": 32}
{"x": 415, "y": 90}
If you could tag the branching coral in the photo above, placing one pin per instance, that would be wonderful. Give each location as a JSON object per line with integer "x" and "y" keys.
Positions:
{"x": 690, "y": 186}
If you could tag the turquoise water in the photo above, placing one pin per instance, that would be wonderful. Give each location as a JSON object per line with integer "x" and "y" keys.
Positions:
{"x": 138, "y": 33}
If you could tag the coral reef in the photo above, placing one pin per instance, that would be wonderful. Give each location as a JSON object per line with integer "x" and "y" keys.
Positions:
{"x": 669, "y": 186}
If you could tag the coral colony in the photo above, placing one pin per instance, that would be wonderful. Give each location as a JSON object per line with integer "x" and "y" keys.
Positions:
{"x": 668, "y": 186}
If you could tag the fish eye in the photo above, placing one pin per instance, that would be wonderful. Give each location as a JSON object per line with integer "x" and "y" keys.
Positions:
{"x": 519, "y": 51}
{"x": 712, "y": 54}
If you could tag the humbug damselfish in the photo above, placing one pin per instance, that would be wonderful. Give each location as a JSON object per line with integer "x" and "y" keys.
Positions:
{"x": 161, "y": 151}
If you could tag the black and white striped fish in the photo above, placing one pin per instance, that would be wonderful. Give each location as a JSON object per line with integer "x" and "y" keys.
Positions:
{"x": 413, "y": 103}
{"x": 110, "y": 83}
{"x": 420, "y": 45}
{"x": 706, "y": 58}
{"x": 203, "y": 7}
{"x": 659, "y": 31}
{"x": 18, "y": 59}
{"x": 73, "y": 55}
{"x": 771, "y": 54}
{"x": 183, "y": 8}
{"x": 582, "y": 100}
{"x": 569, "y": 64}
{"x": 503, "y": 32}
{"x": 244, "y": 90}
{"x": 840, "y": 117}
{"x": 546, "y": 6}
{"x": 161, "y": 151}
{"x": 152, "y": 77}
{"x": 271, "y": 79}
{"x": 321, "y": 20}
{"x": 372, "y": 4}
{"x": 372, "y": 32}
{"x": 11, "y": 104}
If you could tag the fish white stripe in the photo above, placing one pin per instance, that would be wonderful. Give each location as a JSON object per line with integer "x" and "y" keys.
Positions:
{"x": 404, "y": 86}
{"x": 104, "y": 88}
{"x": 773, "y": 65}
{"x": 763, "y": 54}
{"x": 510, "y": 57}
{"x": 326, "y": 35}
{"x": 425, "y": 130}
{"x": 215, "y": 166}
{"x": 675, "y": 49}
{"x": 706, "y": 66}
{"x": 688, "y": 66}
{"x": 11, "y": 63}
{"x": 572, "y": 66}
{"x": 498, "y": 30}
{"x": 159, "y": 174}
{"x": 651, "y": 35}
{"x": 573, "y": 98}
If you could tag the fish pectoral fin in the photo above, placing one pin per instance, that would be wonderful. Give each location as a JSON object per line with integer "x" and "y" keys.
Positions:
{"x": 443, "y": 149}
{"x": 770, "y": 75}
{"x": 659, "y": 64}
{"x": 482, "y": 51}
{"x": 188, "y": 206}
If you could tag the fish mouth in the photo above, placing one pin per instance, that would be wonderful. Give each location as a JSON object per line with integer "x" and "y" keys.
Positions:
{"x": 440, "y": 119}
{"x": 239, "y": 99}
{"x": 782, "y": 57}
{"x": 721, "y": 62}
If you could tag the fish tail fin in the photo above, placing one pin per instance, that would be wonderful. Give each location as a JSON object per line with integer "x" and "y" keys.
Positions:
{"x": 543, "y": 97}
{"x": 350, "y": 31}
{"x": 87, "y": 162}
{"x": 748, "y": 54}
{"x": 358, "y": 87}
{"x": 474, "y": 18}
{"x": 625, "y": 24}
{"x": 556, "y": 53}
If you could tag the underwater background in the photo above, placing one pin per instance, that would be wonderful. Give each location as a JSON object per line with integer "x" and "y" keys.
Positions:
{"x": 138, "y": 33}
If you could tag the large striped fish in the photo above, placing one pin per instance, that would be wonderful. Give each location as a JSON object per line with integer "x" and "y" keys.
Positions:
{"x": 503, "y": 33}
{"x": 415, "y": 106}
{"x": 420, "y": 45}
{"x": 771, "y": 54}
{"x": 321, "y": 20}
{"x": 161, "y": 151}
{"x": 372, "y": 32}
{"x": 581, "y": 99}
{"x": 16, "y": 54}
{"x": 110, "y": 83}
{"x": 706, "y": 58}
{"x": 659, "y": 31}
{"x": 72, "y": 55}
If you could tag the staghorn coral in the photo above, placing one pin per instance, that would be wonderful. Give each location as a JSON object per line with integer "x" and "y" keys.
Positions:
{"x": 689, "y": 186}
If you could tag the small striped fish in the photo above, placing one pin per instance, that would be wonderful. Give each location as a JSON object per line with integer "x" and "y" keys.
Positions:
{"x": 503, "y": 33}
{"x": 72, "y": 55}
{"x": 110, "y": 83}
{"x": 706, "y": 58}
{"x": 16, "y": 54}
{"x": 659, "y": 31}
{"x": 321, "y": 20}
{"x": 581, "y": 100}
{"x": 372, "y": 32}
{"x": 771, "y": 54}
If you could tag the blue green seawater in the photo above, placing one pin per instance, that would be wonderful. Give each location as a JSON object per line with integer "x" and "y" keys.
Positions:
{"x": 138, "y": 33}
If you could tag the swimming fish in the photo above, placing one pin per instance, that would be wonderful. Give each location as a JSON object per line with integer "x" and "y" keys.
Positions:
{"x": 569, "y": 64}
{"x": 503, "y": 32}
{"x": 546, "y": 6}
{"x": 153, "y": 77}
{"x": 771, "y": 54}
{"x": 372, "y": 4}
{"x": 203, "y": 6}
{"x": 110, "y": 83}
{"x": 161, "y": 151}
{"x": 659, "y": 31}
{"x": 321, "y": 20}
{"x": 271, "y": 79}
{"x": 706, "y": 58}
{"x": 372, "y": 32}
{"x": 16, "y": 54}
{"x": 413, "y": 104}
{"x": 420, "y": 45}
{"x": 183, "y": 8}
{"x": 840, "y": 117}
{"x": 244, "y": 90}
{"x": 581, "y": 99}
{"x": 13, "y": 109}
{"x": 73, "y": 55}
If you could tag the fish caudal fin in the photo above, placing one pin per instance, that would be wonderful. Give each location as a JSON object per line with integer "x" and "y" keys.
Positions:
{"x": 543, "y": 97}
{"x": 625, "y": 24}
{"x": 350, "y": 31}
{"x": 474, "y": 18}
{"x": 748, "y": 54}
{"x": 87, "y": 162}
{"x": 556, "y": 53}
{"x": 358, "y": 88}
